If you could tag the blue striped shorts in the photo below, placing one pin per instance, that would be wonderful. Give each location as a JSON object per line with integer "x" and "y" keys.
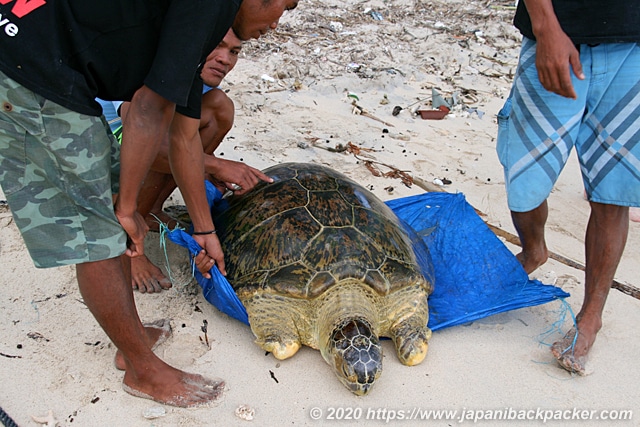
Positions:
{"x": 537, "y": 129}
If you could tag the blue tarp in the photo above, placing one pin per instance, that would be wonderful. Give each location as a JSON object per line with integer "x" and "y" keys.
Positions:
{"x": 475, "y": 275}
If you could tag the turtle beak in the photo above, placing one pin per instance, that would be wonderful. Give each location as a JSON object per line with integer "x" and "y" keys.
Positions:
{"x": 361, "y": 389}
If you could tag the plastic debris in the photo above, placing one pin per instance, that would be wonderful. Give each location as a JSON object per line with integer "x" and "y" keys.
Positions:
{"x": 353, "y": 96}
{"x": 268, "y": 78}
{"x": 376, "y": 15}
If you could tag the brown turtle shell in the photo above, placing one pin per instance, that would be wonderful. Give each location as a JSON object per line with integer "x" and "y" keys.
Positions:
{"x": 309, "y": 229}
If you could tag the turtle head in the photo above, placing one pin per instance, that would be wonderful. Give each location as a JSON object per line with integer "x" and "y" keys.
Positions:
{"x": 355, "y": 354}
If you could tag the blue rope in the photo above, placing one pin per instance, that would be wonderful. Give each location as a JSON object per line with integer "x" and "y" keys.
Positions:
{"x": 556, "y": 327}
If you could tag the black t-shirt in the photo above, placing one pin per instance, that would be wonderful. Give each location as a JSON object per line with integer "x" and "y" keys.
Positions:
{"x": 73, "y": 51}
{"x": 590, "y": 21}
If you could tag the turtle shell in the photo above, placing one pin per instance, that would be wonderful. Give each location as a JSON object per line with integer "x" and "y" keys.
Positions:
{"x": 308, "y": 230}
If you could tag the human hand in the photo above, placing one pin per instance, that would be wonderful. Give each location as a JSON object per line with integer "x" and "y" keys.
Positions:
{"x": 210, "y": 255}
{"x": 556, "y": 55}
{"x": 237, "y": 176}
{"x": 136, "y": 228}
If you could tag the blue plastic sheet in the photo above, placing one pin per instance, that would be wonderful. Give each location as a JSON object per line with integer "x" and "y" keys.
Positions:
{"x": 475, "y": 275}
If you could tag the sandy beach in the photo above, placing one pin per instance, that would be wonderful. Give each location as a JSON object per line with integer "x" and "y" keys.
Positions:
{"x": 328, "y": 77}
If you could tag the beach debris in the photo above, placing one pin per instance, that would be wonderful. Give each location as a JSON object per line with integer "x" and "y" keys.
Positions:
{"x": 4, "y": 206}
{"x": 49, "y": 420}
{"x": 358, "y": 110}
{"x": 438, "y": 100}
{"x": 440, "y": 25}
{"x": 273, "y": 376}
{"x": 384, "y": 100}
{"x": 438, "y": 114}
{"x": 441, "y": 181}
{"x": 203, "y": 328}
{"x": 400, "y": 136}
{"x": 335, "y": 26}
{"x": 351, "y": 95}
{"x": 10, "y": 356}
{"x": 245, "y": 412}
{"x": 354, "y": 67}
{"x": 398, "y": 108}
{"x": 37, "y": 336}
{"x": 472, "y": 110}
{"x": 153, "y": 412}
{"x": 394, "y": 172}
{"x": 268, "y": 78}
{"x": 376, "y": 15}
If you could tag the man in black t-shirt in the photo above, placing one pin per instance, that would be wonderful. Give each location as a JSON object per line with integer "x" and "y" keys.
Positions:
{"x": 216, "y": 119}
{"x": 59, "y": 164}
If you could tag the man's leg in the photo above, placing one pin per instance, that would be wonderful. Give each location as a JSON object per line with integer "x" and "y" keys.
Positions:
{"x": 606, "y": 238}
{"x": 145, "y": 276}
{"x": 109, "y": 297}
{"x": 530, "y": 228}
{"x": 156, "y": 213}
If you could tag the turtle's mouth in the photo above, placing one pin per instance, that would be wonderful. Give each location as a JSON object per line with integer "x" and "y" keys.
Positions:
{"x": 360, "y": 389}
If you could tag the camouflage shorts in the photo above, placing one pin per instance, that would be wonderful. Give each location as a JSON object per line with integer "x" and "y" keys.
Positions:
{"x": 56, "y": 170}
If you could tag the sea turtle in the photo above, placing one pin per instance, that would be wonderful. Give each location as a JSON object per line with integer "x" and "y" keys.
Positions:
{"x": 318, "y": 260}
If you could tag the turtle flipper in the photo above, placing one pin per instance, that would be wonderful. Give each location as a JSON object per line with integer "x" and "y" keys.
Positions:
{"x": 412, "y": 343}
{"x": 276, "y": 323}
{"x": 408, "y": 314}
{"x": 281, "y": 347}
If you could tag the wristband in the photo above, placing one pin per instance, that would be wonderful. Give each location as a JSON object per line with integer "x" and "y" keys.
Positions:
{"x": 202, "y": 233}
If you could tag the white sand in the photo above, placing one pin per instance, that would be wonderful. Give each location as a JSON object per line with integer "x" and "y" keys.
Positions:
{"x": 65, "y": 363}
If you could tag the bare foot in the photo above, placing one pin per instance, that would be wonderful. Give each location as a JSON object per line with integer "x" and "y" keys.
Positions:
{"x": 170, "y": 386}
{"x": 157, "y": 333}
{"x": 634, "y": 214}
{"x": 572, "y": 353}
{"x": 146, "y": 277}
{"x": 532, "y": 260}
{"x": 155, "y": 217}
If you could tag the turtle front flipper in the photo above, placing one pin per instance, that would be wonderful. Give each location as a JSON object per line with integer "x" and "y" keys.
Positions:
{"x": 276, "y": 323}
{"x": 281, "y": 347}
{"x": 412, "y": 343}
{"x": 408, "y": 317}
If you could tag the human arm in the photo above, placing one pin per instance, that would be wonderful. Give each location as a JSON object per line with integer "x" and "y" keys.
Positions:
{"x": 556, "y": 54}
{"x": 218, "y": 113}
{"x": 187, "y": 165}
{"x": 147, "y": 120}
{"x": 216, "y": 121}
{"x": 231, "y": 172}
